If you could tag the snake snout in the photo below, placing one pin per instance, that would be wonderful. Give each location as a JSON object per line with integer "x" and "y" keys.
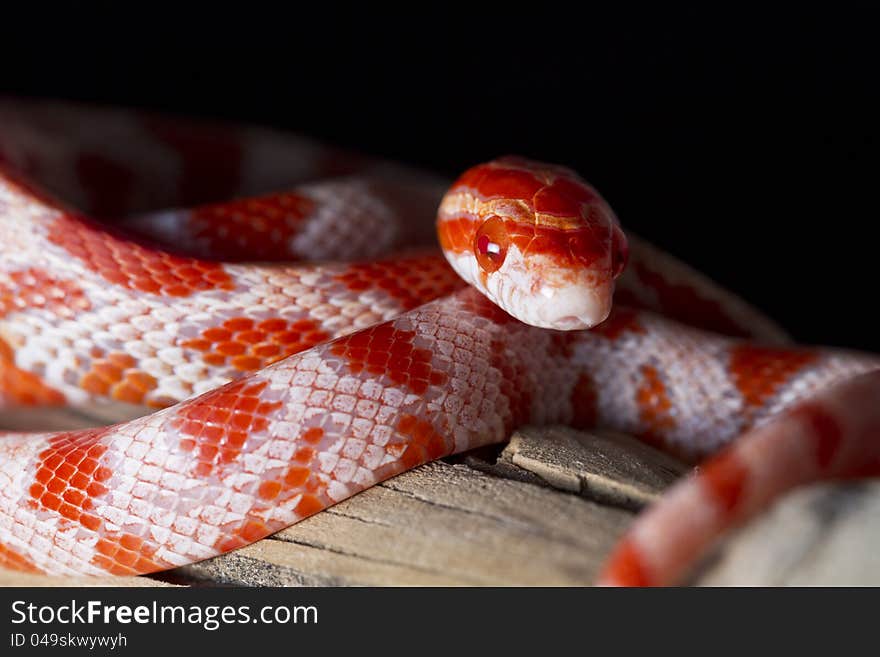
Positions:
{"x": 573, "y": 307}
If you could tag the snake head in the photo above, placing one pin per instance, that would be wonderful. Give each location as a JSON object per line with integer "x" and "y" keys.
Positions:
{"x": 536, "y": 239}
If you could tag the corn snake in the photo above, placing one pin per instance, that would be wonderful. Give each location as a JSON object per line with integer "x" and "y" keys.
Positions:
{"x": 285, "y": 388}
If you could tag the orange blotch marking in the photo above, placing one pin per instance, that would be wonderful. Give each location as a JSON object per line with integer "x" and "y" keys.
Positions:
{"x": 217, "y": 360}
{"x": 625, "y": 566}
{"x": 90, "y": 522}
{"x": 304, "y": 455}
{"x": 269, "y": 490}
{"x": 309, "y": 505}
{"x": 35, "y": 288}
{"x": 217, "y": 334}
{"x": 68, "y": 476}
{"x": 516, "y": 385}
{"x": 131, "y": 265}
{"x": 295, "y": 477}
{"x": 238, "y": 324}
{"x": 14, "y": 560}
{"x": 432, "y": 275}
{"x": 825, "y": 431}
{"x": 426, "y": 443}
{"x": 239, "y": 344}
{"x": 385, "y": 350}
{"x": 724, "y": 478}
{"x": 219, "y": 422}
{"x": 115, "y": 375}
{"x": 126, "y": 554}
{"x": 758, "y": 372}
{"x": 253, "y": 227}
{"x": 313, "y": 435}
{"x": 253, "y": 531}
{"x": 23, "y": 388}
{"x": 247, "y": 363}
{"x": 654, "y": 405}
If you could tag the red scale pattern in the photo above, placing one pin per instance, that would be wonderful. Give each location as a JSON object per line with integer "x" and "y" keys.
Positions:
{"x": 296, "y": 476}
{"x": 425, "y": 444}
{"x": 759, "y": 372}
{"x": 724, "y": 478}
{"x": 13, "y": 560}
{"x": 515, "y": 386}
{"x": 386, "y": 350}
{"x": 626, "y": 565}
{"x": 412, "y": 281}
{"x": 127, "y": 554}
{"x": 131, "y": 265}
{"x": 70, "y": 474}
{"x": 251, "y": 228}
{"x": 36, "y": 288}
{"x": 654, "y": 406}
{"x": 250, "y": 345}
{"x": 218, "y": 423}
{"x": 297, "y": 479}
{"x": 23, "y": 388}
{"x": 68, "y": 478}
{"x": 116, "y": 375}
{"x": 825, "y": 430}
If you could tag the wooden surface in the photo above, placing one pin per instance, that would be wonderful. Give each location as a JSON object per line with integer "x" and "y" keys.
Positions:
{"x": 543, "y": 510}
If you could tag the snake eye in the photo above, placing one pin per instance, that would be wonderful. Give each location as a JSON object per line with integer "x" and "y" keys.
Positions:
{"x": 490, "y": 244}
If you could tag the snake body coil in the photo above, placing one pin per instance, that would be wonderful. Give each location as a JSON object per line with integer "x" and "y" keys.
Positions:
{"x": 285, "y": 388}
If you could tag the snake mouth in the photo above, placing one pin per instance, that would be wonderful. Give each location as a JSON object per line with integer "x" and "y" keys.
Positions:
{"x": 571, "y": 308}
{"x": 569, "y": 323}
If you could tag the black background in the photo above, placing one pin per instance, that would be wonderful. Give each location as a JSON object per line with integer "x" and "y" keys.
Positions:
{"x": 744, "y": 142}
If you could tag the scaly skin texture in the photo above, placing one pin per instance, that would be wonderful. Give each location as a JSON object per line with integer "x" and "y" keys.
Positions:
{"x": 286, "y": 388}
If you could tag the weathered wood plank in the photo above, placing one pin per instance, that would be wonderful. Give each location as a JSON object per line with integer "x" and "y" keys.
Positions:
{"x": 611, "y": 468}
